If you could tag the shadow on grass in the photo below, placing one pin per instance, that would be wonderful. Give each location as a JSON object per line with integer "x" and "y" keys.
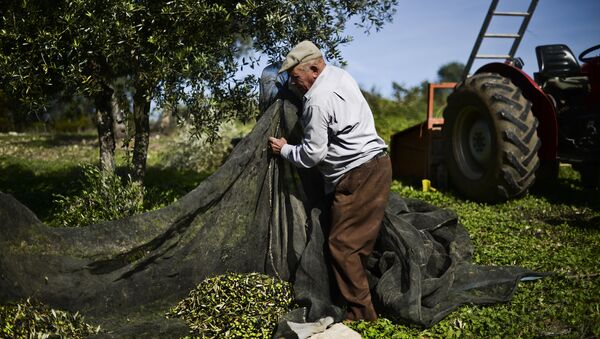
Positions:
{"x": 575, "y": 204}
{"x": 582, "y": 221}
{"x": 568, "y": 191}
{"x": 71, "y": 139}
{"x": 38, "y": 190}
{"x": 53, "y": 140}
{"x": 165, "y": 185}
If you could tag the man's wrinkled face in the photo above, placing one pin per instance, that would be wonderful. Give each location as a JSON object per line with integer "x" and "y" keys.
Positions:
{"x": 302, "y": 78}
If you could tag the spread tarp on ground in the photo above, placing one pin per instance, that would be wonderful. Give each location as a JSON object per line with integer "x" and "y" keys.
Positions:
{"x": 255, "y": 214}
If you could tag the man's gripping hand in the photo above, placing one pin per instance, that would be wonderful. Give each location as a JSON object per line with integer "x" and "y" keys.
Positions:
{"x": 276, "y": 144}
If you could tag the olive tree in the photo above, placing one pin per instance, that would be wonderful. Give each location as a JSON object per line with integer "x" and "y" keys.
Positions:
{"x": 179, "y": 52}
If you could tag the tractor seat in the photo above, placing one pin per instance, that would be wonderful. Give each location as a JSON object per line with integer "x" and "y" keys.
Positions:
{"x": 555, "y": 61}
{"x": 569, "y": 85}
{"x": 559, "y": 70}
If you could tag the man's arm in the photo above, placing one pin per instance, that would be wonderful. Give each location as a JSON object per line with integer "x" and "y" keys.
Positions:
{"x": 313, "y": 148}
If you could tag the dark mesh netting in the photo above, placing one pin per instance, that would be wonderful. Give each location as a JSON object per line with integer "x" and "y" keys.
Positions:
{"x": 255, "y": 214}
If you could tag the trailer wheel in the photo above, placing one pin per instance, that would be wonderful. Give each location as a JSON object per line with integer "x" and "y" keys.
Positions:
{"x": 490, "y": 138}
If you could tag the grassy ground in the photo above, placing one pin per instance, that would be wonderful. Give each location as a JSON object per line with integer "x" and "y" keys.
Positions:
{"x": 36, "y": 168}
{"x": 555, "y": 228}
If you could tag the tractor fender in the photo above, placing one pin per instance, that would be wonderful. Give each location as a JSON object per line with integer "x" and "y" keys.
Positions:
{"x": 541, "y": 106}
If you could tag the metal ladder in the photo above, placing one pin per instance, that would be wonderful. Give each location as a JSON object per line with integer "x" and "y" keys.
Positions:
{"x": 483, "y": 34}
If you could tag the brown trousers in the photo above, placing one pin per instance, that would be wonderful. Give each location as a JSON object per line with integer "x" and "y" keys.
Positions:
{"x": 357, "y": 211}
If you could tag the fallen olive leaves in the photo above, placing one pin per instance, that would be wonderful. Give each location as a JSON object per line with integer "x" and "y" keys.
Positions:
{"x": 30, "y": 319}
{"x": 231, "y": 305}
{"x": 235, "y": 305}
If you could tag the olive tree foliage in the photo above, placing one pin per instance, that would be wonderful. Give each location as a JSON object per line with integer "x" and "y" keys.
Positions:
{"x": 179, "y": 52}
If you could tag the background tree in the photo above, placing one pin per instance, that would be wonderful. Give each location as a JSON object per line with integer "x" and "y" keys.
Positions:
{"x": 171, "y": 52}
{"x": 408, "y": 105}
{"x": 451, "y": 72}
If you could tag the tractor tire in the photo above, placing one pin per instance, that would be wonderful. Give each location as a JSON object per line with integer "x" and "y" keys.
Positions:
{"x": 491, "y": 140}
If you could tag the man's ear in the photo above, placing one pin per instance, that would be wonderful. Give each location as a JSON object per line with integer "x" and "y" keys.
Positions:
{"x": 314, "y": 69}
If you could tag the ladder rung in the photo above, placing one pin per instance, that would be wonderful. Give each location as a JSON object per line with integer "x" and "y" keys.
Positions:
{"x": 492, "y": 56}
{"x": 525, "y": 18}
{"x": 501, "y": 35}
{"x": 512, "y": 13}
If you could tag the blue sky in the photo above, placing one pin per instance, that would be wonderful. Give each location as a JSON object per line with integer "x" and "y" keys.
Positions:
{"x": 427, "y": 34}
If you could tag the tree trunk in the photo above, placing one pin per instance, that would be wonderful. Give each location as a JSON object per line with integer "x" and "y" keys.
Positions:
{"x": 118, "y": 118}
{"x": 165, "y": 122}
{"x": 106, "y": 136}
{"x": 141, "y": 121}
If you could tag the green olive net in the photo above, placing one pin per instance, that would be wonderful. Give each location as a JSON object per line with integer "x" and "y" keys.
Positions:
{"x": 235, "y": 305}
{"x": 31, "y": 319}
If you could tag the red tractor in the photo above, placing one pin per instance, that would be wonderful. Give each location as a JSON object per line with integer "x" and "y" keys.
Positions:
{"x": 501, "y": 129}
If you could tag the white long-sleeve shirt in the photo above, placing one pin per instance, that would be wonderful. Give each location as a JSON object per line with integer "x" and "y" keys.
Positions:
{"x": 339, "y": 131}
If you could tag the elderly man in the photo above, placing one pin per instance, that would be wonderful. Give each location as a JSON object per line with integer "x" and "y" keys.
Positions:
{"x": 341, "y": 140}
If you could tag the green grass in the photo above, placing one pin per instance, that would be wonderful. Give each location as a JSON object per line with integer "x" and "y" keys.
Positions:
{"x": 36, "y": 168}
{"x": 555, "y": 228}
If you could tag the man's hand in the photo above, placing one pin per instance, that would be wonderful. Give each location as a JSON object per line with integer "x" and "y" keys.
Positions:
{"x": 276, "y": 144}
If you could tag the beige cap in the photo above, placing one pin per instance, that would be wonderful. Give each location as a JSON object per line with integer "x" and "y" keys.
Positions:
{"x": 303, "y": 51}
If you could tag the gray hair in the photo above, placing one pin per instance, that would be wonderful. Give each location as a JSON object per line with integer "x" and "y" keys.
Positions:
{"x": 318, "y": 62}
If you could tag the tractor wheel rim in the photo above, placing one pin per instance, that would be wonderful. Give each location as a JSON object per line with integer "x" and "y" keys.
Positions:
{"x": 472, "y": 143}
{"x": 480, "y": 142}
